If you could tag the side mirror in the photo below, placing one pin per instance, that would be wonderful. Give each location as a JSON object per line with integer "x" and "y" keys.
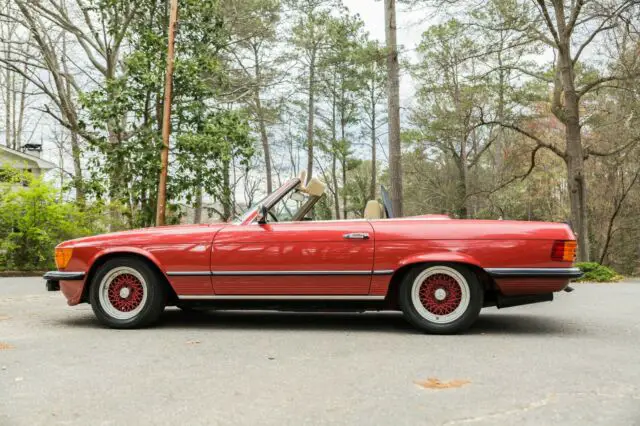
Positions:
{"x": 262, "y": 214}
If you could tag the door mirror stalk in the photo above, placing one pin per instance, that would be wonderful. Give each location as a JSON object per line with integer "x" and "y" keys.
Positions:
{"x": 262, "y": 215}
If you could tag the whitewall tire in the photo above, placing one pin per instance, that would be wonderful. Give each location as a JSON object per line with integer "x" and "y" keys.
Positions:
{"x": 127, "y": 293}
{"x": 441, "y": 299}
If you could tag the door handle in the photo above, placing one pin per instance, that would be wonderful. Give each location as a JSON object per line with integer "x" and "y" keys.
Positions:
{"x": 356, "y": 236}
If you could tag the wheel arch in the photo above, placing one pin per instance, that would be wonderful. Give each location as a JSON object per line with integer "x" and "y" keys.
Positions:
{"x": 126, "y": 252}
{"x": 399, "y": 274}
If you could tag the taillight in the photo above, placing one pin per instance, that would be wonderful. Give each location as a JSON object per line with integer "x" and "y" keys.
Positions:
{"x": 63, "y": 256}
{"x": 564, "y": 251}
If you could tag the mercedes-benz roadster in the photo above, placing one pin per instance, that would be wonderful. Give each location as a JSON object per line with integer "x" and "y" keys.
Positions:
{"x": 438, "y": 271}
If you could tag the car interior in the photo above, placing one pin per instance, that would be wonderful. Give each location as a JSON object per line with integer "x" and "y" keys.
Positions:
{"x": 296, "y": 205}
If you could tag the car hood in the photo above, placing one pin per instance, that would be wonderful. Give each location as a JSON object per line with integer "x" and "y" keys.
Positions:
{"x": 136, "y": 237}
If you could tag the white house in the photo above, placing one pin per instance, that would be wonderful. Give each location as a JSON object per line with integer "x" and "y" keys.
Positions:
{"x": 21, "y": 160}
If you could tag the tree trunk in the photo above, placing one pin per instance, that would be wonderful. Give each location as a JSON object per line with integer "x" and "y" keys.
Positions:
{"x": 76, "y": 152}
{"x": 265, "y": 144}
{"x": 21, "y": 109}
{"x": 574, "y": 153}
{"x": 334, "y": 175}
{"x": 334, "y": 157}
{"x": 78, "y": 182}
{"x": 7, "y": 103}
{"x": 312, "y": 71}
{"x": 343, "y": 157}
{"x": 197, "y": 217}
{"x": 262, "y": 124}
{"x": 226, "y": 191}
{"x": 374, "y": 172}
{"x": 395, "y": 155}
{"x": 14, "y": 107}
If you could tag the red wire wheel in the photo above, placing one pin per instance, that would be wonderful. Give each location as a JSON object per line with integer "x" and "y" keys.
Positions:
{"x": 125, "y": 292}
{"x": 440, "y": 294}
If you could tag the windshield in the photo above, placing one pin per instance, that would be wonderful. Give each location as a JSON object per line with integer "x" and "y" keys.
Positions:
{"x": 287, "y": 204}
{"x": 291, "y": 207}
{"x": 248, "y": 211}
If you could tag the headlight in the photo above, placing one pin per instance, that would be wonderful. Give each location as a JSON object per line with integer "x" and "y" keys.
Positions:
{"x": 63, "y": 255}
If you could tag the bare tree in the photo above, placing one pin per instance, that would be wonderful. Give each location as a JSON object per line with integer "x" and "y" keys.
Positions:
{"x": 254, "y": 27}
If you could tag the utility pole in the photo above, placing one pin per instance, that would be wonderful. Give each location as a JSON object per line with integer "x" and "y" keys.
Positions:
{"x": 393, "y": 100}
{"x": 166, "y": 117}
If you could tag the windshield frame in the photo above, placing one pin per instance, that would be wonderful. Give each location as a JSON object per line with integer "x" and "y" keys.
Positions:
{"x": 250, "y": 215}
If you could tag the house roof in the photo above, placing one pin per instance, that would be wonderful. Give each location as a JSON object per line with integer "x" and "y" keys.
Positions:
{"x": 42, "y": 164}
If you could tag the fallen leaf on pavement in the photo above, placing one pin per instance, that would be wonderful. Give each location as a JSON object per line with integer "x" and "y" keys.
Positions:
{"x": 5, "y": 346}
{"x": 193, "y": 342}
{"x": 433, "y": 383}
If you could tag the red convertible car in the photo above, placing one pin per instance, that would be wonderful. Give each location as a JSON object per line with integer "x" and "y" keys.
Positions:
{"x": 438, "y": 271}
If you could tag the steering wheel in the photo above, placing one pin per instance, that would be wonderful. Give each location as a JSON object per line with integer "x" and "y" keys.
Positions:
{"x": 386, "y": 201}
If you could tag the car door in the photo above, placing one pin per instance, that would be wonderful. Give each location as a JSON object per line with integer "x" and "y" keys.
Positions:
{"x": 293, "y": 258}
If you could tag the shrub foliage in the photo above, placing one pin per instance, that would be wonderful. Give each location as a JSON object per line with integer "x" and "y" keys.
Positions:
{"x": 595, "y": 272}
{"x": 33, "y": 220}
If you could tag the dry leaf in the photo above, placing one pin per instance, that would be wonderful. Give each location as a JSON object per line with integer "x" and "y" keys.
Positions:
{"x": 4, "y": 317}
{"x": 193, "y": 342}
{"x": 5, "y": 346}
{"x": 433, "y": 383}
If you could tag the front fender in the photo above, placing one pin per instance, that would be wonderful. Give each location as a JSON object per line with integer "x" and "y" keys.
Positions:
{"x": 124, "y": 250}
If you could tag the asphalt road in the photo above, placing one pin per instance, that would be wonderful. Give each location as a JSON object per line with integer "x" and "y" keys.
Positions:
{"x": 575, "y": 361}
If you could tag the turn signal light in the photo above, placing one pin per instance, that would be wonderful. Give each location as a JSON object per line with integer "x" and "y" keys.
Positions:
{"x": 63, "y": 256}
{"x": 564, "y": 251}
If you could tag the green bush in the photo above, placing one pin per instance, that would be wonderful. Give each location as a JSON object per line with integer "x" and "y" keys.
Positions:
{"x": 33, "y": 221}
{"x": 595, "y": 272}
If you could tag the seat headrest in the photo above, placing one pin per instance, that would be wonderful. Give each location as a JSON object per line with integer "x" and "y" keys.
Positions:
{"x": 314, "y": 187}
{"x": 373, "y": 210}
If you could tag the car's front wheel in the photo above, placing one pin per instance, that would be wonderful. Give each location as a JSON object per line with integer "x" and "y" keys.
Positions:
{"x": 441, "y": 299}
{"x": 127, "y": 293}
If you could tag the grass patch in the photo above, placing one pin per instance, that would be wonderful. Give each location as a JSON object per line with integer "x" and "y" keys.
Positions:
{"x": 597, "y": 273}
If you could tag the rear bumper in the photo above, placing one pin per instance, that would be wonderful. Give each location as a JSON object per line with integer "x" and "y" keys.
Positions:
{"x": 532, "y": 281}
{"x": 567, "y": 273}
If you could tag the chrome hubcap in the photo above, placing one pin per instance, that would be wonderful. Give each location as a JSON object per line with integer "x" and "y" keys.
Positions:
{"x": 124, "y": 292}
{"x": 440, "y": 294}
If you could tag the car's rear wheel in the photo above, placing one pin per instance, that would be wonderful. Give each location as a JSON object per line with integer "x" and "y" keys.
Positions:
{"x": 441, "y": 299}
{"x": 127, "y": 293}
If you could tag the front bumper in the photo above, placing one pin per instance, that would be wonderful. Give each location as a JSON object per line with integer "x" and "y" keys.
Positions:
{"x": 53, "y": 278}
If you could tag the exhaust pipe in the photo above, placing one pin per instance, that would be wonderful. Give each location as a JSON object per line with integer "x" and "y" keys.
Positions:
{"x": 511, "y": 301}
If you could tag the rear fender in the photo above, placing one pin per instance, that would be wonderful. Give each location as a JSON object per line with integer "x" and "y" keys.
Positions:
{"x": 439, "y": 257}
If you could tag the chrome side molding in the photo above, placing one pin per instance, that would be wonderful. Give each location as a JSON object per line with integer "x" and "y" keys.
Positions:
{"x": 273, "y": 273}
{"x": 278, "y": 297}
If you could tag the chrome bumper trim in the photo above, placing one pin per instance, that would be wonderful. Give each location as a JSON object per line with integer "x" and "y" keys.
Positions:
{"x": 535, "y": 272}
{"x": 63, "y": 276}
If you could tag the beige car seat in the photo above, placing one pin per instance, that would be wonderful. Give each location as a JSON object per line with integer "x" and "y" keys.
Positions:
{"x": 374, "y": 210}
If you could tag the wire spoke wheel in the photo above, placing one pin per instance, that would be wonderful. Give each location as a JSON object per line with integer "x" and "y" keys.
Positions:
{"x": 440, "y": 294}
{"x": 123, "y": 293}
